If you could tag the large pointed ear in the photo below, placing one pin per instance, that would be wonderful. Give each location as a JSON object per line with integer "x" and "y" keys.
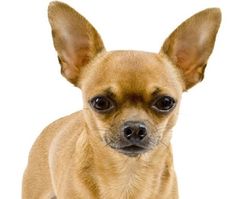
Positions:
{"x": 75, "y": 39}
{"x": 191, "y": 44}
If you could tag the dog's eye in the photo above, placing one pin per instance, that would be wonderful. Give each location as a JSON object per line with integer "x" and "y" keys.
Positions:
{"x": 102, "y": 104}
{"x": 163, "y": 104}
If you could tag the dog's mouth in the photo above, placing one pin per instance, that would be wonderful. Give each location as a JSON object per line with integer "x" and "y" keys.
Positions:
{"x": 132, "y": 150}
{"x": 129, "y": 149}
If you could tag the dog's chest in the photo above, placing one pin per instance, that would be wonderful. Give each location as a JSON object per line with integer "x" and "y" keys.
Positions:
{"x": 130, "y": 181}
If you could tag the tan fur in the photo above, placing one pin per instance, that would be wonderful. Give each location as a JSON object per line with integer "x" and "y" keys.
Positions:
{"x": 71, "y": 159}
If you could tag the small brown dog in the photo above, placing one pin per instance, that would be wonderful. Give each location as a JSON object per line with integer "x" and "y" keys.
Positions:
{"x": 118, "y": 146}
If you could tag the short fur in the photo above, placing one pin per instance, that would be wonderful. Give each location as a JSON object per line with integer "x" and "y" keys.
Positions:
{"x": 77, "y": 157}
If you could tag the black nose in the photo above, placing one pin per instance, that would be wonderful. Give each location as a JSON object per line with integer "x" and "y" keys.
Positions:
{"x": 135, "y": 131}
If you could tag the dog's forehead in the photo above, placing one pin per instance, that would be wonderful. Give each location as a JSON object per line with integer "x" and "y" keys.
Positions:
{"x": 134, "y": 62}
{"x": 133, "y": 71}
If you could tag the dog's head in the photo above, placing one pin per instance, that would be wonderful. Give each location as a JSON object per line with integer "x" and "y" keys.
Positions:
{"x": 131, "y": 98}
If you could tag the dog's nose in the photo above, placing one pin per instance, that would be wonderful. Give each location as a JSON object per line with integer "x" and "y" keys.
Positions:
{"x": 134, "y": 131}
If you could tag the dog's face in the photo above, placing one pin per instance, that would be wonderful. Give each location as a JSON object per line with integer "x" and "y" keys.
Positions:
{"x": 131, "y": 98}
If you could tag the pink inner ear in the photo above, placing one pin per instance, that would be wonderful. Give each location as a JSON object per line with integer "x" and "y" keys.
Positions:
{"x": 77, "y": 49}
{"x": 185, "y": 54}
{"x": 191, "y": 48}
{"x": 191, "y": 44}
{"x": 75, "y": 39}
{"x": 190, "y": 59}
{"x": 69, "y": 71}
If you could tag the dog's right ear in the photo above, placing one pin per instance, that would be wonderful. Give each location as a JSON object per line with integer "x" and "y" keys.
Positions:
{"x": 190, "y": 45}
{"x": 75, "y": 39}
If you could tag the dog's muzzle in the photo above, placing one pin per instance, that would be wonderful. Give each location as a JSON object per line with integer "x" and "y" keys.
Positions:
{"x": 133, "y": 139}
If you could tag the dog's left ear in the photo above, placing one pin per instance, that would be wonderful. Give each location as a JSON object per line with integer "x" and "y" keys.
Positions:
{"x": 191, "y": 44}
{"x": 75, "y": 39}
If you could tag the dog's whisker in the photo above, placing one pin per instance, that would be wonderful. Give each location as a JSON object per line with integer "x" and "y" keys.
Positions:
{"x": 100, "y": 129}
{"x": 163, "y": 143}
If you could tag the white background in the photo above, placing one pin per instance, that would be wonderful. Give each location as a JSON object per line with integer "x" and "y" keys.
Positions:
{"x": 33, "y": 93}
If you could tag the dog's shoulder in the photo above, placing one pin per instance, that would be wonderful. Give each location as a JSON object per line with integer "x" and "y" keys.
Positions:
{"x": 62, "y": 127}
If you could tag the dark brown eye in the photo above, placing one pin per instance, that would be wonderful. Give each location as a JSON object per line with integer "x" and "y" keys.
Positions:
{"x": 102, "y": 103}
{"x": 163, "y": 104}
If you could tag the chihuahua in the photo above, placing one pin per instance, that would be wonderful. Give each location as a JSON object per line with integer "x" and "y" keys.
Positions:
{"x": 118, "y": 146}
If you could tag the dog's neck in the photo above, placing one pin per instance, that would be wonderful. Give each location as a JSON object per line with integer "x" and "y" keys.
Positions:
{"x": 130, "y": 177}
